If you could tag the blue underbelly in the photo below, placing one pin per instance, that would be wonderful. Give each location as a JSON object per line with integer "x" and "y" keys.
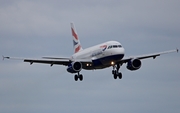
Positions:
{"x": 106, "y": 61}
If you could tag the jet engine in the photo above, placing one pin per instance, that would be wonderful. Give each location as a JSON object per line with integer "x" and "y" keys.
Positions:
{"x": 74, "y": 67}
{"x": 134, "y": 64}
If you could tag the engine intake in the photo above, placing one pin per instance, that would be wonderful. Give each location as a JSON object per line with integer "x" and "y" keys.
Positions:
{"x": 134, "y": 64}
{"x": 74, "y": 67}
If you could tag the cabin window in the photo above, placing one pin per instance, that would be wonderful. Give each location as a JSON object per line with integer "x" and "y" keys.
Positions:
{"x": 109, "y": 47}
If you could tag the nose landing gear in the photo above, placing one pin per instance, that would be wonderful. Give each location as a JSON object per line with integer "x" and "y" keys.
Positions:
{"x": 116, "y": 72}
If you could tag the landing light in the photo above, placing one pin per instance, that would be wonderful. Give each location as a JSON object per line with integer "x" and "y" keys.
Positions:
{"x": 112, "y": 63}
{"x": 88, "y": 65}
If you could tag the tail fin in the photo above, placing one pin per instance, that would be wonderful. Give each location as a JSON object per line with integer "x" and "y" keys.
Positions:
{"x": 76, "y": 42}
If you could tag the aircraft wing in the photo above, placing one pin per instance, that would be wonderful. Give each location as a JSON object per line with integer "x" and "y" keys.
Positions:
{"x": 64, "y": 61}
{"x": 154, "y": 55}
{"x": 52, "y": 60}
{"x": 65, "y": 58}
{"x": 47, "y": 61}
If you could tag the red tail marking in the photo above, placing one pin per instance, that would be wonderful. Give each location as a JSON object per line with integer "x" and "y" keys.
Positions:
{"x": 77, "y": 49}
{"x": 103, "y": 46}
{"x": 74, "y": 34}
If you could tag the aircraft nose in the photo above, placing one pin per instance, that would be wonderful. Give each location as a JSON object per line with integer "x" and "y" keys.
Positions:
{"x": 121, "y": 50}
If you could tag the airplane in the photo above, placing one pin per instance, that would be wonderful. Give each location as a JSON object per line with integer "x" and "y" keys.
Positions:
{"x": 108, "y": 54}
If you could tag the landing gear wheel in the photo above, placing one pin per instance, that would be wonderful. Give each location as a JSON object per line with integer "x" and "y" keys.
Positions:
{"x": 116, "y": 72}
{"x": 120, "y": 75}
{"x": 80, "y": 77}
{"x": 75, "y": 77}
{"x": 115, "y": 76}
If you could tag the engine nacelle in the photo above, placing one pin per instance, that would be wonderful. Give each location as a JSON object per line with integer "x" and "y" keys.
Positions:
{"x": 134, "y": 64}
{"x": 74, "y": 67}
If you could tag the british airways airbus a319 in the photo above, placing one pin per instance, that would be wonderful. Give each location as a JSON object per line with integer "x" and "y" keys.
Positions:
{"x": 108, "y": 54}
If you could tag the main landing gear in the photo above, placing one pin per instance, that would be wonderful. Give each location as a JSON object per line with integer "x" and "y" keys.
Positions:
{"x": 116, "y": 72}
{"x": 78, "y": 76}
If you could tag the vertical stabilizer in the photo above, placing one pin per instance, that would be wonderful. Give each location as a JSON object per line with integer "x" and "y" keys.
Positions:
{"x": 76, "y": 42}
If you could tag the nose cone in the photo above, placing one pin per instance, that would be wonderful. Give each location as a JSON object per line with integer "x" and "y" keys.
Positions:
{"x": 122, "y": 50}
{"x": 119, "y": 51}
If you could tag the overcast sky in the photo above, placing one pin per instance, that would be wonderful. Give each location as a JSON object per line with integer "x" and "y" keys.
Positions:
{"x": 36, "y": 28}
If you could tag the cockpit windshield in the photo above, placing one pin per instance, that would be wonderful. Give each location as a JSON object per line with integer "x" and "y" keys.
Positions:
{"x": 114, "y": 46}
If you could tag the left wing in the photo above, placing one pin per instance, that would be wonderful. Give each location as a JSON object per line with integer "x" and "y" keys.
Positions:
{"x": 154, "y": 55}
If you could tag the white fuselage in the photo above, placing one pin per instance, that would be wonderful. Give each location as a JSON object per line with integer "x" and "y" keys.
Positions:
{"x": 102, "y": 55}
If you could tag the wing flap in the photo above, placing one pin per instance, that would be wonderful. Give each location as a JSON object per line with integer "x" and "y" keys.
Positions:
{"x": 58, "y": 58}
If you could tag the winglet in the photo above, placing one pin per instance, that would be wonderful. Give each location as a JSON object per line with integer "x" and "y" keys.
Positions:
{"x": 5, "y": 57}
{"x": 13, "y": 58}
{"x": 177, "y": 50}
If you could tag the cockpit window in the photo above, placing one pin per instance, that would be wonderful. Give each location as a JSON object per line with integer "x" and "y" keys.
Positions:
{"x": 114, "y": 46}
{"x": 119, "y": 46}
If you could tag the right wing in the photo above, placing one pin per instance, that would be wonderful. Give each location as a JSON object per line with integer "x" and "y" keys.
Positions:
{"x": 52, "y": 60}
{"x": 47, "y": 61}
{"x": 63, "y": 61}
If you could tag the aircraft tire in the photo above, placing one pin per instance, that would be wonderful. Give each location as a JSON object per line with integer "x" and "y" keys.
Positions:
{"x": 120, "y": 75}
{"x": 80, "y": 77}
{"x": 76, "y": 78}
{"x": 115, "y": 76}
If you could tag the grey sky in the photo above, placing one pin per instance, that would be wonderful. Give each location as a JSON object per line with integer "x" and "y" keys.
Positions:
{"x": 32, "y": 29}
